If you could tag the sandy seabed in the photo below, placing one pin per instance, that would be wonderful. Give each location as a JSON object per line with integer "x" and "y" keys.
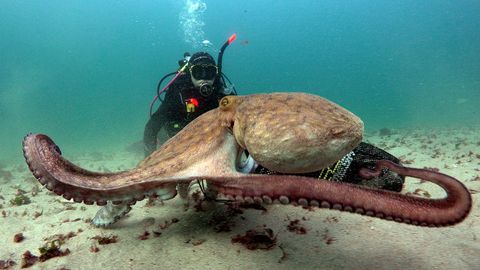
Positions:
{"x": 157, "y": 235}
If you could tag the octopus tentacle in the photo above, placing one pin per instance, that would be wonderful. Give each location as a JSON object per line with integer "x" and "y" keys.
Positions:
{"x": 72, "y": 182}
{"x": 357, "y": 199}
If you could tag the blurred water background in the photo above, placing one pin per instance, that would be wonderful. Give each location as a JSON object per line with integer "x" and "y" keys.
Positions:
{"x": 84, "y": 72}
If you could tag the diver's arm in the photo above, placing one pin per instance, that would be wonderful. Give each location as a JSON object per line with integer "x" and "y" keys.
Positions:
{"x": 153, "y": 126}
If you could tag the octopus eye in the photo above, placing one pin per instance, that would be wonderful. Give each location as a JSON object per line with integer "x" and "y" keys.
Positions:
{"x": 224, "y": 102}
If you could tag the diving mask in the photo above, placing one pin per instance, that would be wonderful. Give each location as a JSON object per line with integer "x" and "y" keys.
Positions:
{"x": 204, "y": 71}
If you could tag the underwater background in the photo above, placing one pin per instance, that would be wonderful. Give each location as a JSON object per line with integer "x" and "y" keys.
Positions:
{"x": 84, "y": 72}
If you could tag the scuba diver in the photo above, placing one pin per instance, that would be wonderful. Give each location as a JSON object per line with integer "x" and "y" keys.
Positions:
{"x": 198, "y": 86}
{"x": 195, "y": 91}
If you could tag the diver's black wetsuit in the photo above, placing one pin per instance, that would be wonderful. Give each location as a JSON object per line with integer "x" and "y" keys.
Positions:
{"x": 172, "y": 113}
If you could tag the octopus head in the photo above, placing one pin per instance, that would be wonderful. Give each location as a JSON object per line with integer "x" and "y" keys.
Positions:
{"x": 291, "y": 133}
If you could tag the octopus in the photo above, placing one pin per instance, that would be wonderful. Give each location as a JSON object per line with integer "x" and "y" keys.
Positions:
{"x": 291, "y": 133}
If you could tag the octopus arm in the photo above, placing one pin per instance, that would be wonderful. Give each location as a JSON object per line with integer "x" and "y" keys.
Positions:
{"x": 64, "y": 178}
{"x": 354, "y": 198}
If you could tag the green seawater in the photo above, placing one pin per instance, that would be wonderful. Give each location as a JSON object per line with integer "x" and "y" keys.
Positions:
{"x": 84, "y": 72}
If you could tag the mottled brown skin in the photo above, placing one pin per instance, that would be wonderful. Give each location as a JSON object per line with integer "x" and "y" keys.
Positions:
{"x": 292, "y": 132}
